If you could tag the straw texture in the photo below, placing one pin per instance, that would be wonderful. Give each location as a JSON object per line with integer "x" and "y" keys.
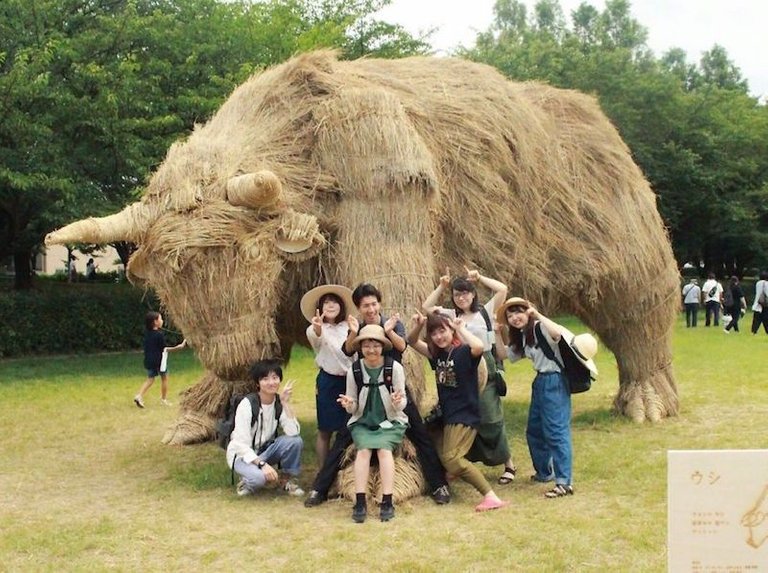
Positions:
{"x": 390, "y": 170}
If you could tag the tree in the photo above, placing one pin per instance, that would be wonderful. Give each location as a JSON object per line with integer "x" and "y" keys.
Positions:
{"x": 93, "y": 92}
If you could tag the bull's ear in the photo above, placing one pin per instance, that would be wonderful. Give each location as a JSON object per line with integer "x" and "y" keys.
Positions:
{"x": 260, "y": 190}
{"x": 137, "y": 267}
{"x": 298, "y": 236}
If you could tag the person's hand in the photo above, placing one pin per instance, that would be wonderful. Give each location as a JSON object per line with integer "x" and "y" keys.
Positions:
{"x": 445, "y": 280}
{"x": 531, "y": 312}
{"x": 285, "y": 395}
{"x": 458, "y": 323}
{"x": 496, "y": 326}
{"x": 418, "y": 319}
{"x": 354, "y": 325}
{"x": 391, "y": 323}
{"x": 397, "y": 397}
{"x": 345, "y": 401}
{"x": 270, "y": 473}
{"x": 317, "y": 322}
{"x": 473, "y": 276}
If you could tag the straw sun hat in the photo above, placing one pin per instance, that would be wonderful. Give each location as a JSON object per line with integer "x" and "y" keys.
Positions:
{"x": 372, "y": 332}
{"x": 501, "y": 313}
{"x": 310, "y": 299}
{"x": 584, "y": 347}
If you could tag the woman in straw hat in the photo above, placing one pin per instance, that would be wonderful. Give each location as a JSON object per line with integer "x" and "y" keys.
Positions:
{"x": 549, "y": 415}
{"x": 491, "y": 446}
{"x": 454, "y": 354}
{"x": 378, "y": 421}
{"x": 326, "y": 308}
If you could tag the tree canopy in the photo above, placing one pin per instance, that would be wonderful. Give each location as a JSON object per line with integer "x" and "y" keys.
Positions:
{"x": 93, "y": 92}
{"x": 693, "y": 128}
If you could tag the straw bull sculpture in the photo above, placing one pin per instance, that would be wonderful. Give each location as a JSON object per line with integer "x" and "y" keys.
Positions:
{"x": 386, "y": 171}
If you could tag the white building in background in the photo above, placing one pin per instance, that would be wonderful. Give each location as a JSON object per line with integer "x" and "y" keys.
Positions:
{"x": 54, "y": 258}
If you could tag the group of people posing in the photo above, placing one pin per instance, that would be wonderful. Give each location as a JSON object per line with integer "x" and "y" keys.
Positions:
{"x": 363, "y": 396}
{"x": 731, "y": 300}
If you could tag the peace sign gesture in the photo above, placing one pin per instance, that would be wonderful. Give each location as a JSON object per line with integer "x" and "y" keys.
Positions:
{"x": 317, "y": 322}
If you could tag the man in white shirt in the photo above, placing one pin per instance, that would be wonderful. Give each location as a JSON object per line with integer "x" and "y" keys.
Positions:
{"x": 760, "y": 306}
{"x": 691, "y": 300}
{"x": 713, "y": 296}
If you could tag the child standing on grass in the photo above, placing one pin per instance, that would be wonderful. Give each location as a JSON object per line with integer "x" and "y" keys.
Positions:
{"x": 155, "y": 357}
{"x": 377, "y": 422}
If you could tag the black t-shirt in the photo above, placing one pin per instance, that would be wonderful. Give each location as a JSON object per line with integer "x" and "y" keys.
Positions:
{"x": 456, "y": 377}
{"x": 154, "y": 344}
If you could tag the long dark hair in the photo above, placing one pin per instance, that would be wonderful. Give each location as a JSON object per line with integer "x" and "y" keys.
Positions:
{"x": 519, "y": 338}
{"x": 463, "y": 285}
{"x": 336, "y": 298}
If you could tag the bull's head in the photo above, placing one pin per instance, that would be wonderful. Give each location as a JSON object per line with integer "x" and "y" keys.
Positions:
{"x": 215, "y": 262}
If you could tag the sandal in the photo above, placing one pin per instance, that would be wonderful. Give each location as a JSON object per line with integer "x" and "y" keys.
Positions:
{"x": 508, "y": 476}
{"x": 560, "y": 490}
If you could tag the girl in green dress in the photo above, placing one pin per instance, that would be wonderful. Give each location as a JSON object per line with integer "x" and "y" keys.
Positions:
{"x": 377, "y": 422}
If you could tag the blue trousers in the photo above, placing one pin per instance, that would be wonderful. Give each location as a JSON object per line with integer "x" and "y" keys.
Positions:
{"x": 549, "y": 428}
{"x": 285, "y": 450}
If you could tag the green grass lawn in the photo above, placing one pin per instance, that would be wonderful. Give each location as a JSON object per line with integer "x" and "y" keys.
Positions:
{"x": 86, "y": 484}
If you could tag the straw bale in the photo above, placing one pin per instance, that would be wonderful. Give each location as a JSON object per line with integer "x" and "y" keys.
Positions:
{"x": 407, "y": 166}
{"x": 409, "y": 480}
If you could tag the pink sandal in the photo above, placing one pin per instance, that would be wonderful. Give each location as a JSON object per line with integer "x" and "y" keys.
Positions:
{"x": 488, "y": 504}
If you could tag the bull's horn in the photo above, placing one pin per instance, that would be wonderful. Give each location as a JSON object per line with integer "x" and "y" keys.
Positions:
{"x": 259, "y": 190}
{"x": 127, "y": 225}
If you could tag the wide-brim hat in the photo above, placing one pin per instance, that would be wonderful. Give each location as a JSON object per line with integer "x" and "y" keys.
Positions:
{"x": 372, "y": 332}
{"x": 501, "y": 312}
{"x": 309, "y": 301}
{"x": 584, "y": 347}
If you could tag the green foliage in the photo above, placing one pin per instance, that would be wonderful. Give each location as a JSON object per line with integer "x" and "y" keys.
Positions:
{"x": 701, "y": 140}
{"x": 94, "y": 93}
{"x": 62, "y": 318}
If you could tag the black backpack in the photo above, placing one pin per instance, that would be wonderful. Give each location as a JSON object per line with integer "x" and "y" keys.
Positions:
{"x": 357, "y": 372}
{"x": 728, "y": 298}
{"x": 579, "y": 376}
{"x": 225, "y": 425}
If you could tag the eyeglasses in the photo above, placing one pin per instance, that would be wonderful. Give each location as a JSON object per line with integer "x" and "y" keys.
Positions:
{"x": 462, "y": 294}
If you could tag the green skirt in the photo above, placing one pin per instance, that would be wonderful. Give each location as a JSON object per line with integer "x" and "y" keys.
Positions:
{"x": 378, "y": 439}
{"x": 490, "y": 446}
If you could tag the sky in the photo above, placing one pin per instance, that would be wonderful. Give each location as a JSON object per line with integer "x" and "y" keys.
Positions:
{"x": 693, "y": 25}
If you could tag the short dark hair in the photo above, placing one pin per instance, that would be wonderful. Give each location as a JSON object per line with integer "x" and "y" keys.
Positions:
{"x": 150, "y": 318}
{"x": 336, "y": 298}
{"x": 363, "y": 290}
{"x": 764, "y": 275}
{"x": 461, "y": 284}
{"x": 262, "y": 369}
{"x": 435, "y": 321}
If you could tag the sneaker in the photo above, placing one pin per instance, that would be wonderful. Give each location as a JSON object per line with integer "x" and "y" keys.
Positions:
{"x": 359, "y": 513}
{"x": 243, "y": 489}
{"x": 560, "y": 490}
{"x": 489, "y": 503}
{"x": 387, "y": 512}
{"x": 315, "y": 498}
{"x": 441, "y": 495}
{"x": 292, "y": 488}
{"x": 166, "y": 402}
{"x": 138, "y": 401}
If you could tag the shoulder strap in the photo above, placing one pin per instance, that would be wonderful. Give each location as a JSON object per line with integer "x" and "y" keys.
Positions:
{"x": 357, "y": 372}
{"x": 388, "y": 362}
{"x": 255, "y": 401}
{"x": 487, "y": 319}
{"x": 544, "y": 345}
